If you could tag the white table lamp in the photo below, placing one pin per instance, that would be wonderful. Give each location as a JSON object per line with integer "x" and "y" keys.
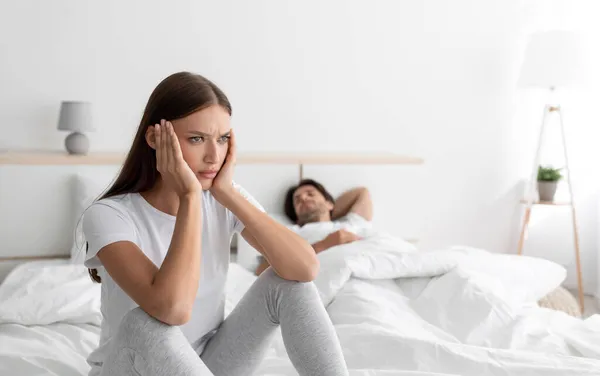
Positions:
{"x": 76, "y": 117}
{"x": 552, "y": 59}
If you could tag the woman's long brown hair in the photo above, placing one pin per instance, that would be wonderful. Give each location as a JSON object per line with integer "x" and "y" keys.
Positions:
{"x": 175, "y": 97}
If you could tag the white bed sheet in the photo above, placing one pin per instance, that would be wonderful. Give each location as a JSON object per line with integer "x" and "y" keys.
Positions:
{"x": 57, "y": 349}
{"x": 396, "y": 312}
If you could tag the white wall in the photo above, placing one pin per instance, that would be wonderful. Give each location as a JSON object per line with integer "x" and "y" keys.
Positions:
{"x": 435, "y": 79}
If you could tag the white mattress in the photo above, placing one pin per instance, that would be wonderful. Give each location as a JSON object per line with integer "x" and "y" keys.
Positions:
{"x": 396, "y": 312}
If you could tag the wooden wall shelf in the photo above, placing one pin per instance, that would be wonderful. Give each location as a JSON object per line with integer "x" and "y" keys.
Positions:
{"x": 10, "y": 157}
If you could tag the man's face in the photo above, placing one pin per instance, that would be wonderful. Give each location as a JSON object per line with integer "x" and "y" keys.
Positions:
{"x": 310, "y": 205}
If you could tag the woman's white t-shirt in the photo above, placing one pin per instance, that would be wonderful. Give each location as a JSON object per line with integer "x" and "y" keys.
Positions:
{"x": 129, "y": 217}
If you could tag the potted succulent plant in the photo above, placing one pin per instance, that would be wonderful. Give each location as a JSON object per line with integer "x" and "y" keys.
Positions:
{"x": 547, "y": 181}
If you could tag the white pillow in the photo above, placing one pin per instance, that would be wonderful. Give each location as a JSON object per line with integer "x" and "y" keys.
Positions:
{"x": 46, "y": 292}
{"x": 247, "y": 257}
{"x": 525, "y": 279}
{"x": 86, "y": 188}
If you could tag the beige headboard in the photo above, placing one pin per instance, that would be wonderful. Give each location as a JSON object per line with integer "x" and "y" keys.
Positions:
{"x": 35, "y": 190}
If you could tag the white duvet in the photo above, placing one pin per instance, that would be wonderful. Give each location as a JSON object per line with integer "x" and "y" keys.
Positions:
{"x": 460, "y": 311}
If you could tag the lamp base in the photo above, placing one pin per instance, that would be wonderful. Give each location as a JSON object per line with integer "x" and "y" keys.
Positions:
{"x": 77, "y": 143}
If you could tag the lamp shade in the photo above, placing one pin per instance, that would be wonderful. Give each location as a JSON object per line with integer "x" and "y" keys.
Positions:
{"x": 552, "y": 59}
{"x": 75, "y": 116}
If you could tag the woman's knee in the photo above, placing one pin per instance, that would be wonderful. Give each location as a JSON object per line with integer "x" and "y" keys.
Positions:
{"x": 137, "y": 320}
{"x": 137, "y": 325}
{"x": 279, "y": 284}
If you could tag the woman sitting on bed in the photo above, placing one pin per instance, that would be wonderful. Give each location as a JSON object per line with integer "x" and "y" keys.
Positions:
{"x": 323, "y": 221}
{"x": 158, "y": 240}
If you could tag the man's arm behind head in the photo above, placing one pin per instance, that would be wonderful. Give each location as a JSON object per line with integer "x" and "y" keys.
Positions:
{"x": 357, "y": 200}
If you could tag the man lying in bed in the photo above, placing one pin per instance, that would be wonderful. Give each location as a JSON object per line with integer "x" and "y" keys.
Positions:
{"x": 323, "y": 221}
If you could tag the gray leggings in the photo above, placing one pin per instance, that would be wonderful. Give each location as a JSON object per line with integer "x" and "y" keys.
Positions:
{"x": 145, "y": 346}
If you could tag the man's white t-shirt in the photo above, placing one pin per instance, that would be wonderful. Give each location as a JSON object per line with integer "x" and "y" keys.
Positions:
{"x": 129, "y": 217}
{"x": 317, "y": 231}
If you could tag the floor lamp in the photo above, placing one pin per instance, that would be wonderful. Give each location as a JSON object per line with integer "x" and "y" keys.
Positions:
{"x": 551, "y": 62}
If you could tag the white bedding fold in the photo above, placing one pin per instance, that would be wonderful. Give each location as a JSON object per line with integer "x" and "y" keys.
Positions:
{"x": 50, "y": 293}
{"x": 515, "y": 279}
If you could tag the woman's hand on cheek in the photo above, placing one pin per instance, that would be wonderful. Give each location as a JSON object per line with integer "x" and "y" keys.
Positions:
{"x": 222, "y": 183}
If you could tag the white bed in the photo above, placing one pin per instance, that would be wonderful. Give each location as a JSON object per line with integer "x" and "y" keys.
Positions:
{"x": 397, "y": 310}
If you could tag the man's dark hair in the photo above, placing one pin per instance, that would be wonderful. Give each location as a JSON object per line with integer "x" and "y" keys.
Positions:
{"x": 290, "y": 212}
